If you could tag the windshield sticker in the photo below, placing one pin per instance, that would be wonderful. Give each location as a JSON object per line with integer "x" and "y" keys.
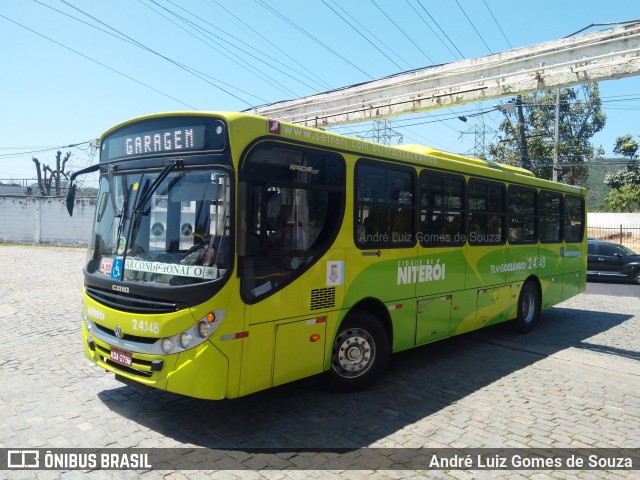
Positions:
{"x": 105, "y": 265}
{"x": 122, "y": 244}
{"x": 116, "y": 270}
{"x": 208, "y": 273}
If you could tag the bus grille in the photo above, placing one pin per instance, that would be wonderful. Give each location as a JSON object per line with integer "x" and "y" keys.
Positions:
{"x": 323, "y": 298}
{"x": 126, "y": 336}
{"x": 130, "y": 303}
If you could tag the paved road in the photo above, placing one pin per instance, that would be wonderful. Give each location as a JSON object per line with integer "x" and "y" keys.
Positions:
{"x": 613, "y": 288}
{"x": 573, "y": 382}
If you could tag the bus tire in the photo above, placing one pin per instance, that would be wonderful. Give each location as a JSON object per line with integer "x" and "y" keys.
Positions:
{"x": 528, "y": 308}
{"x": 360, "y": 353}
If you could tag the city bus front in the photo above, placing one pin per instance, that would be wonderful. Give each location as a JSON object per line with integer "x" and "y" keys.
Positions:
{"x": 161, "y": 255}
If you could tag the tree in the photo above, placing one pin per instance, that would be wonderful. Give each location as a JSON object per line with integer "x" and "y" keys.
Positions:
{"x": 44, "y": 184}
{"x": 581, "y": 117}
{"x": 625, "y": 196}
{"x": 626, "y": 146}
{"x": 624, "y": 199}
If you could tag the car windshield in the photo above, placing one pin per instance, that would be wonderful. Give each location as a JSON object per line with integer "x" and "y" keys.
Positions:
{"x": 170, "y": 227}
{"x": 627, "y": 251}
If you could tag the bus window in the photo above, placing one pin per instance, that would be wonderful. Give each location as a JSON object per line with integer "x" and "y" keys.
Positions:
{"x": 441, "y": 209}
{"x": 573, "y": 218}
{"x": 522, "y": 215}
{"x": 550, "y": 230}
{"x": 487, "y": 211}
{"x": 385, "y": 206}
{"x": 294, "y": 204}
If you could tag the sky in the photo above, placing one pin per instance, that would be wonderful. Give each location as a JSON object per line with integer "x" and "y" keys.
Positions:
{"x": 72, "y": 69}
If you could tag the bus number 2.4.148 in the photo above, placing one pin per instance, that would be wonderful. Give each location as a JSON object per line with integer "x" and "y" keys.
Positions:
{"x": 146, "y": 327}
{"x": 535, "y": 262}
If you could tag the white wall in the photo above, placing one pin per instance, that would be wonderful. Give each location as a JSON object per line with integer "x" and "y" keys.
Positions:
{"x": 613, "y": 219}
{"x": 45, "y": 220}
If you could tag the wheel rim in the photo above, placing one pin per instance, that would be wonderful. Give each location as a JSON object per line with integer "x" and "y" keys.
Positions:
{"x": 528, "y": 306}
{"x": 353, "y": 352}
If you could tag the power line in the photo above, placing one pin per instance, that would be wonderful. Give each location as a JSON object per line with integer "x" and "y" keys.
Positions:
{"x": 211, "y": 36}
{"x": 474, "y": 27}
{"x": 402, "y": 31}
{"x": 308, "y": 35}
{"x": 236, "y": 39}
{"x": 361, "y": 34}
{"x": 280, "y": 50}
{"x": 50, "y": 149}
{"x": 498, "y": 25}
{"x": 440, "y": 28}
{"x": 126, "y": 38}
{"x": 99, "y": 63}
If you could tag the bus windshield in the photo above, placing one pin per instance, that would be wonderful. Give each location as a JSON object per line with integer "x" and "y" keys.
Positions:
{"x": 169, "y": 227}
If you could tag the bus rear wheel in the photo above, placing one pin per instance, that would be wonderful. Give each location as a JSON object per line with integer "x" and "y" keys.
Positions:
{"x": 528, "y": 308}
{"x": 360, "y": 353}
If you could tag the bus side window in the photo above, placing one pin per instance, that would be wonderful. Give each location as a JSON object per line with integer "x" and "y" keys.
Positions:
{"x": 487, "y": 212}
{"x": 442, "y": 209}
{"x": 385, "y": 206}
{"x": 573, "y": 218}
{"x": 523, "y": 214}
{"x": 550, "y": 217}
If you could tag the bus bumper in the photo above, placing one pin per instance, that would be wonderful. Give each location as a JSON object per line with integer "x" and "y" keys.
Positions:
{"x": 201, "y": 372}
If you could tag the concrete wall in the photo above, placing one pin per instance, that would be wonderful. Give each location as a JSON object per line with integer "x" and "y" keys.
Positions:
{"x": 611, "y": 219}
{"x": 45, "y": 220}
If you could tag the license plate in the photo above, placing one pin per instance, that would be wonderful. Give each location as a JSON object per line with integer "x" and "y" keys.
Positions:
{"x": 121, "y": 357}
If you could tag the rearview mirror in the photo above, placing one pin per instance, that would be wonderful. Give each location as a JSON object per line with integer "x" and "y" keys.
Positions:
{"x": 71, "y": 196}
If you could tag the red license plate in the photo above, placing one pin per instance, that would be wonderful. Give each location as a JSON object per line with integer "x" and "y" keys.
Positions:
{"x": 121, "y": 357}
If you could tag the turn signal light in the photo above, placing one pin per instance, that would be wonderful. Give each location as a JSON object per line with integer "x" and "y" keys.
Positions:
{"x": 315, "y": 337}
{"x": 211, "y": 317}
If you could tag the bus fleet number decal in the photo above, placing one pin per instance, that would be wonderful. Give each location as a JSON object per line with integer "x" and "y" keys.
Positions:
{"x": 146, "y": 327}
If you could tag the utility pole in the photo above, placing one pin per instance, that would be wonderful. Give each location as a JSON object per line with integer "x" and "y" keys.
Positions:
{"x": 556, "y": 138}
{"x": 523, "y": 140}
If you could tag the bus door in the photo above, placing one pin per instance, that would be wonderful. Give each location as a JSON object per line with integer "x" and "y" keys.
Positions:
{"x": 291, "y": 204}
{"x": 441, "y": 266}
{"x": 574, "y": 261}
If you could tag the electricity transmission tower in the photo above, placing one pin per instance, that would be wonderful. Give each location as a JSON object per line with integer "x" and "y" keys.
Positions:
{"x": 480, "y": 133}
{"x": 382, "y": 132}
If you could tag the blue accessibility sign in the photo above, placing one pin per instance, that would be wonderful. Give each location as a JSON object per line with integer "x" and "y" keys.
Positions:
{"x": 116, "y": 269}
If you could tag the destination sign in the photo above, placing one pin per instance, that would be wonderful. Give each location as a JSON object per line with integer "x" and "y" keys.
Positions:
{"x": 173, "y": 135}
{"x": 159, "y": 141}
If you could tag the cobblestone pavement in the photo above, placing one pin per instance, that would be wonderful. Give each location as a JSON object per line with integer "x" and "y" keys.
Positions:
{"x": 573, "y": 382}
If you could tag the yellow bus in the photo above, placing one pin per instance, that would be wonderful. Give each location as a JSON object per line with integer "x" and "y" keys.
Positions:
{"x": 231, "y": 253}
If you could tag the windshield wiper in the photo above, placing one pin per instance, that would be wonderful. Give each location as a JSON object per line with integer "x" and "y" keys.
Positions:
{"x": 143, "y": 197}
{"x": 147, "y": 194}
{"x": 123, "y": 213}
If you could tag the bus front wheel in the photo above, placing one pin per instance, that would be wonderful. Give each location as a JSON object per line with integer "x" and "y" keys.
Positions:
{"x": 528, "y": 308}
{"x": 360, "y": 353}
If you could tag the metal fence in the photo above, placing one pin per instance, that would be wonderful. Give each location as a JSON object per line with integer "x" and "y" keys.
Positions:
{"x": 628, "y": 235}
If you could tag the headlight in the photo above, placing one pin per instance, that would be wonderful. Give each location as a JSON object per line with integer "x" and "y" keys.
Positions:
{"x": 166, "y": 345}
{"x": 203, "y": 329}
{"x": 193, "y": 336}
{"x": 185, "y": 340}
{"x": 87, "y": 323}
